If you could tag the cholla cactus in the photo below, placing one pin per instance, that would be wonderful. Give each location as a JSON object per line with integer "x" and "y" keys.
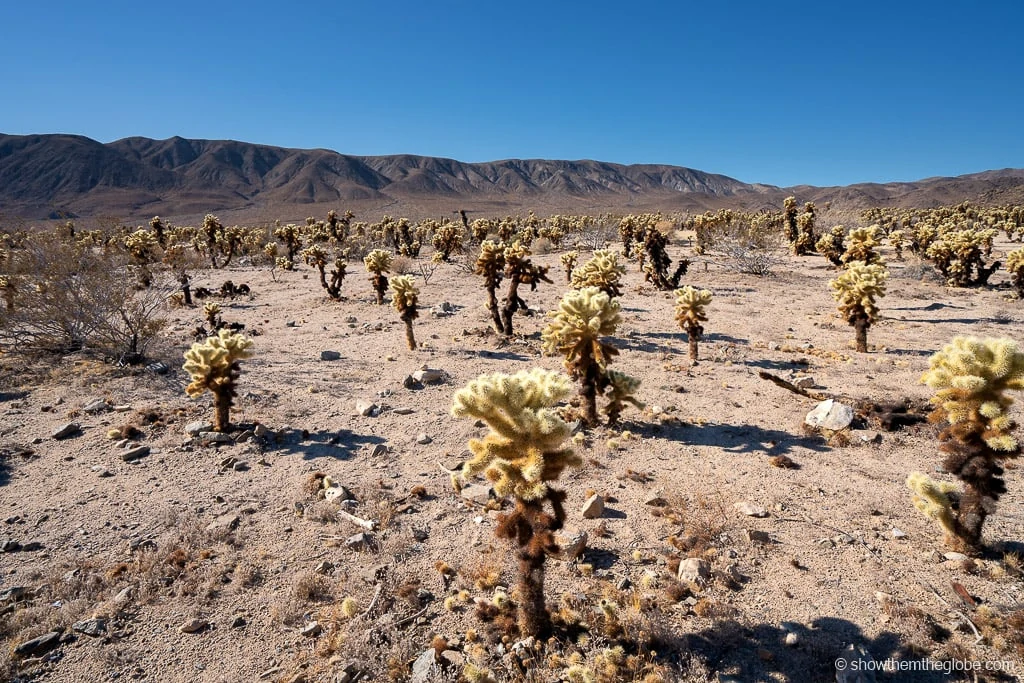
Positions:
{"x": 569, "y": 262}
{"x": 863, "y": 242}
{"x": 897, "y": 238}
{"x": 142, "y": 245}
{"x": 404, "y": 296}
{"x": 789, "y": 219}
{"x": 602, "y": 271}
{"x": 972, "y": 377}
{"x": 213, "y": 366}
{"x": 583, "y": 317}
{"x": 447, "y": 240}
{"x": 378, "y": 262}
{"x": 856, "y": 290}
{"x": 831, "y": 245}
{"x": 804, "y": 242}
{"x": 1015, "y": 266}
{"x": 524, "y": 453}
{"x": 491, "y": 264}
{"x": 212, "y": 313}
{"x": 621, "y": 389}
{"x": 291, "y": 235}
{"x": 214, "y": 232}
{"x": 932, "y": 499}
{"x": 519, "y": 269}
{"x": 316, "y": 256}
{"x": 690, "y": 303}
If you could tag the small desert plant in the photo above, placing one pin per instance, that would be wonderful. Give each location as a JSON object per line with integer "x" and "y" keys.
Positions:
{"x": 789, "y": 211}
{"x": 602, "y": 271}
{"x": 212, "y": 313}
{"x": 378, "y": 262}
{"x": 569, "y": 262}
{"x": 291, "y": 235}
{"x": 524, "y": 453}
{"x": 490, "y": 264}
{"x": 856, "y": 290}
{"x": 831, "y": 245}
{"x": 519, "y": 270}
{"x": 690, "y": 303}
{"x": 621, "y": 389}
{"x": 804, "y": 243}
{"x": 863, "y": 242}
{"x": 404, "y": 295}
{"x": 316, "y": 256}
{"x": 971, "y": 377}
{"x": 213, "y": 366}
{"x": 897, "y": 238}
{"x": 656, "y": 271}
{"x": 447, "y": 240}
{"x": 1015, "y": 266}
{"x": 576, "y": 329}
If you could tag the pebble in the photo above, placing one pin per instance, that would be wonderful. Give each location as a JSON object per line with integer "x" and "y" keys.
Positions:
{"x": 423, "y": 439}
{"x": 135, "y": 453}
{"x": 240, "y": 466}
{"x": 367, "y": 409}
{"x": 63, "y": 432}
{"x": 193, "y": 626}
{"x": 194, "y": 428}
{"x": 792, "y": 639}
{"x": 476, "y": 493}
{"x": 428, "y": 375}
{"x": 750, "y": 510}
{"x": 336, "y": 494}
{"x": 898, "y": 533}
{"x": 754, "y": 536}
{"x": 98, "y": 406}
{"x": 403, "y": 411}
{"x": 330, "y": 355}
{"x": 227, "y": 521}
{"x": 93, "y": 628}
{"x": 358, "y": 541}
{"x": 215, "y": 437}
{"x": 311, "y": 630}
{"x": 830, "y": 415}
{"x": 38, "y": 645}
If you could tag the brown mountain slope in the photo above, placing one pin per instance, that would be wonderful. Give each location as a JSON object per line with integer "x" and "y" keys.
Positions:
{"x": 47, "y": 175}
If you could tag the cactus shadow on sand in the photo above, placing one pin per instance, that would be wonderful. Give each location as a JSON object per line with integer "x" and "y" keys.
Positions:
{"x": 759, "y": 653}
{"x": 732, "y": 438}
{"x": 339, "y": 445}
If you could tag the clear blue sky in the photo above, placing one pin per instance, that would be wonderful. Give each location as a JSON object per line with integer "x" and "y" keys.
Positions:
{"x": 776, "y": 92}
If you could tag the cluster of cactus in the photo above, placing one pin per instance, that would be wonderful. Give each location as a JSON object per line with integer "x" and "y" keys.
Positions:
{"x": 897, "y": 238}
{"x": 291, "y": 235}
{"x": 378, "y": 262}
{"x": 633, "y": 227}
{"x": 856, "y": 289}
{"x": 404, "y": 297}
{"x": 523, "y": 455}
{"x": 490, "y": 265}
{"x": 657, "y": 261}
{"x": 316, "y": 256}
{"x": 804, "y": 242}
{"x": 832, "y": 245}
{"x": 971, "y": 378}
{"x": 960, "y": 256}
{"x": 1015, "y": 267}
{"x": 863, "y": 242}
{"x": 447, "y": 240}
{"x": 213, "y": 366}
{"x": 577, "y": 332}
{"x": 602, "y": 271}
{"x": 690, "y": 314}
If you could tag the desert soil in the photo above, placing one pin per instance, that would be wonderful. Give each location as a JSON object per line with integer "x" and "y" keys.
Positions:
{"x": 181, "y": 534}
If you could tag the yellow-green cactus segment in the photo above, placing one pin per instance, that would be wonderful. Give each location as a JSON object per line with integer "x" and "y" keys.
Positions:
{"x": 211, "y": 310}
{"x": 932, "y": 498}
{"x": 404, "y": 293}
{"x": 859, "y": 286}
{"x": 209, "y": 363}
{"x": 141, "y": 243}
{"x": 378, "y": 261}
{"x": 602, "y": 270}
{"x": 971, "y": 377}
{"x": 690, "y": 303}
{"x": 315, "y": 256}
{"x": 525, "y": 448}
{"x": 583, "y": 317}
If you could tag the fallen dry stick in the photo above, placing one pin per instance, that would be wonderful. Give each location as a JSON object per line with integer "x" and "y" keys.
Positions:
{"x": 775, "y": 379}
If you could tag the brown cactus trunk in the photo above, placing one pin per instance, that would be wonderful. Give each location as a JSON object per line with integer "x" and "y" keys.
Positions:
{"x": 534, "y": 619}
{"x": 222, "y": 409}
{"x": 860, "y": 327}
{"x": 588, "y": 387}
{"x": 492, "y": 306}
{"x": 511, "y": 303}
{"x": 409, "y": 338}
{"x": 693, "y": 333}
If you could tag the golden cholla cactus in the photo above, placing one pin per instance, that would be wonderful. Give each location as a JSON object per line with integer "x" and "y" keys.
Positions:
{"x": 569, "y": 262}
{"x": 211, "y": 311}
{"x": 831, "y": 245}
{"x": 316, "y": 256}
{"x": 690, "y": 304}
{"x": 404, "y": 296}
{"x": 971, "y": 378}
{"x": 213, "y": 366}
{"x": 524, "y": 453}
{"x": 898, "y": 239}
{"x": 1015, "y": 266}
{"x": 575, "y": 332}
{"x": 142, "y": 245}
{"x": 863, "y": 242}
{"x": 621, "y": 389}
{"x": 856, "y": 290}
{"x": 932, "y": 499}
{"x": 519, "y": 270}
{"x": 490, "y": 264}
{"x": 602, "y": 271}
{"x": 378, "y": 262}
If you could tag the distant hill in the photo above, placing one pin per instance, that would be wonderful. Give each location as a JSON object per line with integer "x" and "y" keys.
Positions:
{"x": 43, "y": 176}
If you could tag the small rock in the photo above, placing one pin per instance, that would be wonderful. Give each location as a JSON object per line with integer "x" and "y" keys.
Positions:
{"x": 957, "y": 557}
{"x": 656, "y": 499}
{"x": 573, "y": 545}
{"x": 330, "y": 355}
{"x": 63, "y": 432}
{"x": 215, "y": 437}
{"x": 453, "y": 660}
{"x": 135, "y": 453}
{"x": 13, "y": 594}
{"x": 225, "y": 522}
{"x": 754, "y": 536}
{"x": 193, "y": 626}
{"x": 423, "y": 439}
{"x": 336, "y": 494}
{"x": 98, "y": 406}
{"x": 792, "y": 640}
{"x": 379, "y": 450}
{"x": 102, "y": 471}
{"x": 195, "y": 428}
{"x": 476, "y": 493}
{"x": 422, "y": 667}
{"x": 410, "y": 383}
{"x": 358, "y": 541}
{"x": 158, "y": 368}
{"x": 867, "y": 436}
{"x": 804, "y": 382}
{"x": 367, "y": 409}
{"x": 245, "y": 436}
{"x": 9, "y": 545}
{"x": 898, "y": 533}
{"x": 240, "y": 466}
{"x": 428, "y": 375}
{"x": 594, "y": 507}
{"x": 291, "y": 323}
{"x": 830, "y": 415}
{"x": 324, "y": 567}
{"x": 311, "y": 630}
{"x": 237, "y": 622}
{"x": 94, "y": 628}
{"x": 403, "y": 411}
{"x": 350, "y": 319}
{"x": 694, "y": 570}
{"x": 38, "y": 645}
{"x": 262, "y": 432}
{"x": 750, "y": 510}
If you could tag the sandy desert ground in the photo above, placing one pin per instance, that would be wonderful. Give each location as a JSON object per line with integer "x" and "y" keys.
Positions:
{"x": 230, "y": 540}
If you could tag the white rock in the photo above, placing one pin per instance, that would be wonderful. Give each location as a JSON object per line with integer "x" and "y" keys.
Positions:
{"x": 594, "y": 507}
{"x": 194, "y": 428}
{"x": 336, "y": 494}
{"x": 694, "y": 570}
{"x": 428, "y": 375}
{"x": 830, "y": 415}
{"x": 750, "y": 510}
{"x": 193, "y": 626}
{"x": 367, "y": 409}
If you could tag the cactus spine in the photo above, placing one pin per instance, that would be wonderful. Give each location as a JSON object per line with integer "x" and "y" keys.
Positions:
{"x": 213, "y": 366}
{"x": 971, "y": 377}
{"x": 523, "y": 455}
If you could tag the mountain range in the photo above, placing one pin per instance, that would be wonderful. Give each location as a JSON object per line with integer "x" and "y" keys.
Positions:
{"x": 47, "y": 176}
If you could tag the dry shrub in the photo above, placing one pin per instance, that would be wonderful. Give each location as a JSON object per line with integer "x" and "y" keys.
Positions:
{"x": 541, "y": 246}
{"x": 402, "y": 265}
